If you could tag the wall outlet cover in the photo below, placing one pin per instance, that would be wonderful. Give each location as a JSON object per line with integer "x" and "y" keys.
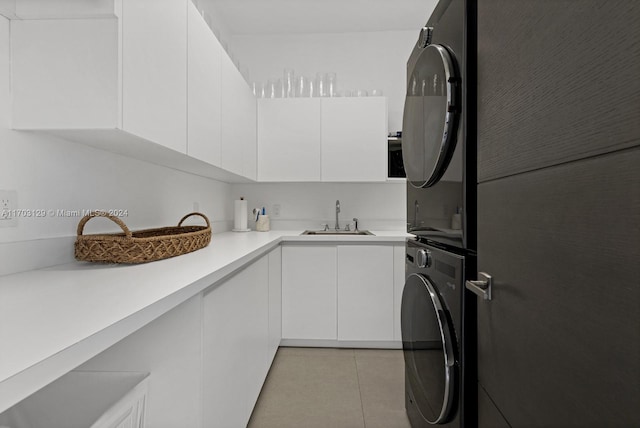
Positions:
{"x": 8, "y": 206}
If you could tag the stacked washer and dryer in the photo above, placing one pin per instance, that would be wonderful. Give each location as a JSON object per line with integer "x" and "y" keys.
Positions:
{"x": 439, "y": 154}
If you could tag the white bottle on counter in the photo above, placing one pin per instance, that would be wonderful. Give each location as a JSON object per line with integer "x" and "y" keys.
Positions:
{"x": 456, "y": 220}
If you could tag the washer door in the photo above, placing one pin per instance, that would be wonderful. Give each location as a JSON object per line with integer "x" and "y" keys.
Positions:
{"x": 427, "y": 341}
{"x": 431, "y": 112}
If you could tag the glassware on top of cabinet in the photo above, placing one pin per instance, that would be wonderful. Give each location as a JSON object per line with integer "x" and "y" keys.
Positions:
{"x": 270, "y": 89}
{"x": 304, "y": 87}
{"x": 311, "y": 88}
{"x": 280, "y": 89}
{"x": 258, "y": 89}
{"x": 320, "y": 89}
{"x": 330, "y": 84}
{"x": 288, "y": 83}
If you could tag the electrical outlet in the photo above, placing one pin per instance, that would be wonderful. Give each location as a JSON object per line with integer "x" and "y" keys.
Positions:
{"x": 275, "y": 210}
{"x": 8, "y": 200}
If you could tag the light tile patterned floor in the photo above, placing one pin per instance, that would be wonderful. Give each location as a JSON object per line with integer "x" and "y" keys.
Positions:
{"x": 333, "y": 388}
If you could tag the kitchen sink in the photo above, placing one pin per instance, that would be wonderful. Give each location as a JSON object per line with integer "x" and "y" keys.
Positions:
{"x": 336, "y": 232}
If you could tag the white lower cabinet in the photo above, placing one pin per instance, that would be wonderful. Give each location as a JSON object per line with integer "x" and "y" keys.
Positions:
{"x": 399, "y": 254}
{"x": 275, "y": 301}
{"x": 365, "y": 292}
{"x": 169, "y": 349}
{"x": 84, "y": 399}
{"x": 208, "y": 358}
{"x": 237, "y": 344}
{"x": 342, "y": 295}
{"x": 309, "y": 292}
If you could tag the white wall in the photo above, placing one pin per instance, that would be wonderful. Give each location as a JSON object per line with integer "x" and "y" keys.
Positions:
{"x": 378, "y": 206}
{"x": 51, "y": 174}
{"x": 374, "y": 60}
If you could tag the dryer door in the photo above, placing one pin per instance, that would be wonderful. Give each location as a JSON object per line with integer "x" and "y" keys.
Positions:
{"x": 428, "y": 344}
{"x": 431, "y": 115}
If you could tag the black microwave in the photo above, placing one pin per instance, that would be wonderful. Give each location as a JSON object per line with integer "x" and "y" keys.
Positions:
{"x": 395, "y": 165}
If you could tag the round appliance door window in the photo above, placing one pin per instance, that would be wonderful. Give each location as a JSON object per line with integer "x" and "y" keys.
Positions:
{"x": 431, "y": 112}
{"x": 428, "y": 345}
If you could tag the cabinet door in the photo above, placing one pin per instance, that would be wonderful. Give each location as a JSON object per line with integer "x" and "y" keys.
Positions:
{"x": 275, "y": 301}
{"x": 256, "y": 311}
{"x": 224, "y": 364}
{"x": 309, "y": 292}
{"x": 203, "y": 111}
{"x": 235, "y": 346}
{"x": 238, "y": 113}
{"x": 365, "y": 292}
{"x": 154, "y": 71}
{"x": 289, "y": 139}
{"x": 65, "y": 74}
{"x": 248, "y": 131}
{"x": 354, "y": 139}
{"x": 399, "y": 254}
{"x": 170, "y": 349}
{"x": 7, "y": 8}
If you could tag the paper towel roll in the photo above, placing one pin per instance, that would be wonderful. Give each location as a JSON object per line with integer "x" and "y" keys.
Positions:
{"x": 240, "y": 217}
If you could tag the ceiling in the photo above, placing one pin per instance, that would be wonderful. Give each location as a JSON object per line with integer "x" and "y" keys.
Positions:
{"x": 254, "y": 17}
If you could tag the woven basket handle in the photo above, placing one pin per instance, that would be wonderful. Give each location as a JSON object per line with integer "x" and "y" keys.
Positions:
{"x": 115, "y": 219}
{"x": 190, "y": 214}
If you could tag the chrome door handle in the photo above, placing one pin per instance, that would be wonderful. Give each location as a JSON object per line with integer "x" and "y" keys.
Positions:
{"x": 481, "y": 286}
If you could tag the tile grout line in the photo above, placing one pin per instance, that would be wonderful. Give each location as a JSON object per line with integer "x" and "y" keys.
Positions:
{"x": 355, "y": 360}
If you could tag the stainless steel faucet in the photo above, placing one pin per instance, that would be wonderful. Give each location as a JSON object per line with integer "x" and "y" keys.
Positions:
{"x": 337, "y": 212}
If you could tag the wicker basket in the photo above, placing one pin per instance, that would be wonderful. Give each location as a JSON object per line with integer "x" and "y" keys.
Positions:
{"x": 142, "y": 246}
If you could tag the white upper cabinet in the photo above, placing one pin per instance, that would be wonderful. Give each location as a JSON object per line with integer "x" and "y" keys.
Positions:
{"x": 154, "y": 73}
{"x": 322, "y": 139}
{"x": 203, "y": 111}
{"x": 144, "y": 78}
{"x": 66, "y": 74}
{"x": 354, "y": 139}
{"x": 127, "y": 73}
{"x": 47, "y": 9}
{"x": 238, "y": 133}
{"x": 289, "y": 139}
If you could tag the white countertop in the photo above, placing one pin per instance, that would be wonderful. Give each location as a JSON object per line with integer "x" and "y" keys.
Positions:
{"x": 54, "y": 319}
